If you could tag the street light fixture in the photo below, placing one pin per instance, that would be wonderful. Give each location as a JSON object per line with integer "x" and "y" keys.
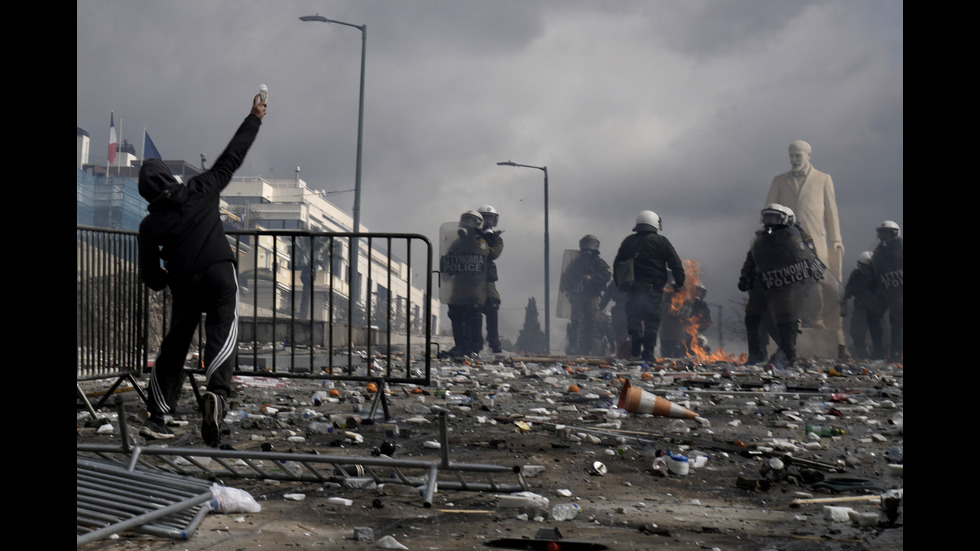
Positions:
{"x": 547, "y": 254}
{"x": 360, "y": 127}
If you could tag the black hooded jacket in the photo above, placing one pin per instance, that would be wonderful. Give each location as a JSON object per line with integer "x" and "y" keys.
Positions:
{"x": 183, "y": 227}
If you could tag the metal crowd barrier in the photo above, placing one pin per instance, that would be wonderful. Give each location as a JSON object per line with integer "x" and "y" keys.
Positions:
{"x": 296, "y": 315}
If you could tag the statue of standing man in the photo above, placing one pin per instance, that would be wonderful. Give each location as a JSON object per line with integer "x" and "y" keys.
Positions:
{"x": 810, "y": 193}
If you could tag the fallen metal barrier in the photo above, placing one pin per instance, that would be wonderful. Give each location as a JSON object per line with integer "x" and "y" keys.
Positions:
{"x": 109, "y": 498}
{"x": 350, "y": 471}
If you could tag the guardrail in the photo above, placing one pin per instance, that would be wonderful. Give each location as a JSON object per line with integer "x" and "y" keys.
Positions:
{"x": 296, "y": 318}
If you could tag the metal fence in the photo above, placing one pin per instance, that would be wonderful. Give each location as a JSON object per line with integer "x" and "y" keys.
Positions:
{"x": 309, "y": 306}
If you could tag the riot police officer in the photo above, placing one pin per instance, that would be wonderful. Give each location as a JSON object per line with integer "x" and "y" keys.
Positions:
{"x": 888, "y": 260}
{"x": 869, "y": 306}
{"x": 778, "y": 270}
{"x": 495, "y": 245}
{"x": 652, "y": 255}
{"x": 582, "y": 283}
{"x": 463, "y": 267}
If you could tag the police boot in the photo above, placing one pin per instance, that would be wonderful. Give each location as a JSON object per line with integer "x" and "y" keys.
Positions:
{"x": 757, "y": 351}
{"x": 636, "y": 345}
{"x": 787, "y": 340}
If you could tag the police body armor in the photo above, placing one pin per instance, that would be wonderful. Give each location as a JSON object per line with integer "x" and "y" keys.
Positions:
{"x": 463, "y": 264}
{"x": 782, "y": 258}
{"x": 888, "y": 260}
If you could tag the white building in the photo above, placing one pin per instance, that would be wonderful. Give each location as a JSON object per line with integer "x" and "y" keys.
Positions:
{"x": 288, "y": 204}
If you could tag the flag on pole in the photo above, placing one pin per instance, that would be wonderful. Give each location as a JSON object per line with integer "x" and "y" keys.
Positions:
{"x": 149, "y": 150}
{"x": 112, "y": 139}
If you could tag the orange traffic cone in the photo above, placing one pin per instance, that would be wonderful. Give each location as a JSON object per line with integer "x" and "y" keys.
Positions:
{"x": 637, "y": 400}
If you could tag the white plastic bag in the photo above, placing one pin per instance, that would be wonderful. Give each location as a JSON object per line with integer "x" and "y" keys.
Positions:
{"x": 232, "y": 500}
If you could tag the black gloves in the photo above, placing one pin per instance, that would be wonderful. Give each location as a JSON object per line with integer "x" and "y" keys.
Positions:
{"x": 744, "y": 284}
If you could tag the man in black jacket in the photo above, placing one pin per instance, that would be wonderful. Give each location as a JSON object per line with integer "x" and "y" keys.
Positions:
{"x": 182, "y": 245}
{"x": 653, "y": 255}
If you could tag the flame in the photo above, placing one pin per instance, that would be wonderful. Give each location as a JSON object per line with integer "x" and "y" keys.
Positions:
{"x": 681, "y": 299}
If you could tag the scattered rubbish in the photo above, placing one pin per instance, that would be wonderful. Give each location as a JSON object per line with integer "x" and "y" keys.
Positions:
{"x": 389, "y": 542}
{"x": 807, "y": 501}
{"x": 890, "y": 503}
{"x": 863, "y": 518}
{"x": 232, "y": 500}
{"x": 363, "y": 533}
{"x": 660, "y": 466}
{"x": 678, "y": 426}
{"x": 526, "y": 502}
{"x": 565, "y": 511}
{"x": 340, "y": 501}
{"x": 598, "y": 469}
{"x": 294, "y": 497}
{"x": 837, "y": 514}
{"x": 698, "y": 458}
{"x": 677, "y": 464}
{"x": 773, "y": 469}
{"x": 823, "y": 431}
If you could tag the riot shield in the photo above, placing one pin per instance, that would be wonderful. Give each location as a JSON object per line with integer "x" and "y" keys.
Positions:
{"x": 564, "y": 308}
{"x": 462, "y": 265}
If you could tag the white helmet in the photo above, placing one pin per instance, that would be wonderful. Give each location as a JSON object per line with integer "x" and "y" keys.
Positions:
{"x": 489, "y": 221}
{"x": 775, "y": 214}
{"x": 589, "y": 243}
{"x": 650, "y": 219}
{"x": 470, "y": 219}
{"x": 864, "y": 258}
{"x": 888, "y": 230}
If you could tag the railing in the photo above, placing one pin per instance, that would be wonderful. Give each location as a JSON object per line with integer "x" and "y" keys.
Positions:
{"x": 302, "y": 310}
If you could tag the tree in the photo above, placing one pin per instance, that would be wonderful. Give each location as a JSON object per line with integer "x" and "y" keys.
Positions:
{"x": 531, "y": 338}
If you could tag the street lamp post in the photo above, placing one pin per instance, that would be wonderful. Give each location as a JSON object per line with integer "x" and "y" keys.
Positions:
{"x": 355, "y": 249}
{"x": 547, "y": 255}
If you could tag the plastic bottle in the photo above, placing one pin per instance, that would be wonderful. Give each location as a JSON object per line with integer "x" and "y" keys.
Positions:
{"x": 319, "y": 397}
{"x": 824, "y": 431}
{"x": 235, "y": 416}
{"x": 458, "y": 399}
{"x": 565, "y": 511}
{"x": 319, "y": 427}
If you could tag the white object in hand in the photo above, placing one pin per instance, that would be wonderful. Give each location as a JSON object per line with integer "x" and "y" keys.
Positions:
{"x": 264, "y": 93}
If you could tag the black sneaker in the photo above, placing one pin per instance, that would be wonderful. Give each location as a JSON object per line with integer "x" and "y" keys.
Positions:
{"x": 155, "y": 428}
{"x": 213, "y": 412}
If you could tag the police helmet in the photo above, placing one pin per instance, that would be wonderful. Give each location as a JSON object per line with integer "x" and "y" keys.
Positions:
{"x": 471, "y": 219}
{"x": 775, "y": 214}
{"x": 490, "y": 215}
{"x": 864, "y": 258}
{"x": 589, "y": 243}
{"x": 648, "y": 220}
{"x": 888, "y": 230}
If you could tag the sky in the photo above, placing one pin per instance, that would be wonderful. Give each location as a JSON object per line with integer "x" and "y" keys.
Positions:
{"x": 685, "y": 108}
